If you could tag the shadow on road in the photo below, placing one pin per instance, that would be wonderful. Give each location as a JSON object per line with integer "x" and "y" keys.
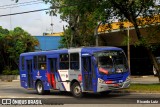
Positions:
{"x": 86, "y": 95}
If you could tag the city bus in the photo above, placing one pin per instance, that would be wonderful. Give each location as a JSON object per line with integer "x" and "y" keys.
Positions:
{"x": 76, "y": 70}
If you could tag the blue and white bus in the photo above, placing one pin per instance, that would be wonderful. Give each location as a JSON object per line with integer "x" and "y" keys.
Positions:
{"x": 76, "y": 70}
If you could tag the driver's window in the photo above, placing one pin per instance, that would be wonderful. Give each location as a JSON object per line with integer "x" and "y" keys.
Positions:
{"x": 105, "y": 61}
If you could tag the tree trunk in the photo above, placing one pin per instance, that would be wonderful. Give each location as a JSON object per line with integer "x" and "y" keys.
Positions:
{"x": 152, "y": 57}
{"x": 155, "y": 62}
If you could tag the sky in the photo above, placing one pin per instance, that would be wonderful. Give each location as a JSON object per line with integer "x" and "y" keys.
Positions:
{"x": 35, "y": 23}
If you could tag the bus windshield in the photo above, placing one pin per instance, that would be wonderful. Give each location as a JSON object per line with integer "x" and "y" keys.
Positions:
{"x": 110, "y": 62}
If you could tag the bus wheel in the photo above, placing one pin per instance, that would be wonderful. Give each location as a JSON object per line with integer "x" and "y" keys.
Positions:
{"x": 76, "y": 90}
{"x": 39, "y": 88}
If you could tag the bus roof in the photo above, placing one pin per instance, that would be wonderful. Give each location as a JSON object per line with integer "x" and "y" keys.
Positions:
{"x": 72, "y": 50}
{"x": 97, "y": 49}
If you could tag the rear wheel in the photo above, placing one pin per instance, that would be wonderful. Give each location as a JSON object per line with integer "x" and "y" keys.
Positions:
{"x": 40, "y": 89}
{"x": 76, "y": 90}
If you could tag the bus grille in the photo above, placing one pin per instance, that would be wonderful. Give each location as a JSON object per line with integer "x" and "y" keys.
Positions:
{"x": 115, "y": 78}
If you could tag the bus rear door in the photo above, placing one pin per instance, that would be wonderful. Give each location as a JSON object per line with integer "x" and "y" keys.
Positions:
{"x": 29, "y": 73}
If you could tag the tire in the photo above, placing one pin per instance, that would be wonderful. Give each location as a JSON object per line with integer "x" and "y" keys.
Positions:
{"x": 76, "y": 90}
{"x": 40, "y": 88}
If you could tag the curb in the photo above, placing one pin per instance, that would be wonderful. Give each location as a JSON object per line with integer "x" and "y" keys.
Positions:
{"x": 15, "y": 80}
{"x": 133, "y": 92}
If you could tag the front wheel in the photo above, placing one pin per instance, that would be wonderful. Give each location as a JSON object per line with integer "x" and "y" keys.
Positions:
{"x": 76, "y": 90}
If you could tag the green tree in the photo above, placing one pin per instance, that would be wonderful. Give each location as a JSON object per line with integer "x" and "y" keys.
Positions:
{"x": 12, "y": 44}
{"x": 91, "y": 12}
{"x": 80, "y": 26}
{"x": 104, "y": 10}
{"x": 131, "y": 10}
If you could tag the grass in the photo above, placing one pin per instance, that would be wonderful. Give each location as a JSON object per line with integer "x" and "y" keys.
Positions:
{"x": 151, "y": 88}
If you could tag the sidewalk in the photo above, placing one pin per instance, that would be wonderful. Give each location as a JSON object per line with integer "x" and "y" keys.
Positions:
{"x": 149, "y": 79}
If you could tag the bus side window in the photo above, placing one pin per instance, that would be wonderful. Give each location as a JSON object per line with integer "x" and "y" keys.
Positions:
{"x": 74, "y": 61}
{"x": 64, "y": 61}
{"x": 42, "y": 63}
{"x": 22, "y": 62}
{"x": 35, "y": 62}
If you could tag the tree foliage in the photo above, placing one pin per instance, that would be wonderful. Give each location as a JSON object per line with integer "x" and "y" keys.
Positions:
{"x": 81, "y": 26}
{"x": 83, "y": 16}
{"x": 78, "y": 12}
{"x": 12, "y": 44}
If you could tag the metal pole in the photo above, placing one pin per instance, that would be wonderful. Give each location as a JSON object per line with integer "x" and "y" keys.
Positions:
{"x": 96, "y": 33}
{"x": 128, "y": 46}
{"x": 51, "y": 24}
{"x": 10, "y": 20}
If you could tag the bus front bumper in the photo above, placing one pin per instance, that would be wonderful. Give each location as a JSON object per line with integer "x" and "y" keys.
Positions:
{"x": 106, "y": 87}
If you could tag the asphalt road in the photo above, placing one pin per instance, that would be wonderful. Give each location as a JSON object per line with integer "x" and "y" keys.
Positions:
{"x": 13, "y": 91}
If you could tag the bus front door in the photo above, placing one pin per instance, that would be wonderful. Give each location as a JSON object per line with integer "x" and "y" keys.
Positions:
{"x": 29, "y": 73}
{"x": 53, "y": 69}
{"x": 86, "y": 73}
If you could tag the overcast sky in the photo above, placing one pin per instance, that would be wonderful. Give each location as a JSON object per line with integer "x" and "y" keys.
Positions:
{"x": 35, "y": 23}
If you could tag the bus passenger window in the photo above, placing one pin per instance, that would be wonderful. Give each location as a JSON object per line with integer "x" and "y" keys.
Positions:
{"x": 35, "y": 62}
{"x": 64, "y": 61}
{"x": 74, "y": 61}
{"x": 43, "y": 66}
{"x": 22, "y": 63}
{"x": 42, "y": 62}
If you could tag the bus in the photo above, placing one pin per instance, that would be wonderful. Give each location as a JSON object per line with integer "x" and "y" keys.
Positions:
{"x": 76, "y": 70}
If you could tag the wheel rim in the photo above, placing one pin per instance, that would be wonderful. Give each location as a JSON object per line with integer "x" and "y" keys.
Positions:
{"x": 77, "y": 90}
{"x": 39, "y": 88}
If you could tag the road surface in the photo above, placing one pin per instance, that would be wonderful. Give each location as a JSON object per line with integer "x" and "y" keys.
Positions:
{"x": 13, "y": 91}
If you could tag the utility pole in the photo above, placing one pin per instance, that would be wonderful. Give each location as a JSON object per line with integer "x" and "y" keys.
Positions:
{"x": 96, "y": 33}
{"x": 51, "y": 23}
{"x": 128, "y": 46}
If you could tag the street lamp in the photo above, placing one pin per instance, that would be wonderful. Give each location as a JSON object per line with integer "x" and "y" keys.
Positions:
{"x": 128, "y": 47}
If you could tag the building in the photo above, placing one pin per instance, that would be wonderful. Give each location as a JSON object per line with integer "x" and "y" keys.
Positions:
{"x": 49, "y": 42}
{"x": 140, "y": 62}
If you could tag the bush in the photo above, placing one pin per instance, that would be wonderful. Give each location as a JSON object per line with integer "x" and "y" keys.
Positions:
{"x": 7, "y": 71}
{"x": 15, "y": 72}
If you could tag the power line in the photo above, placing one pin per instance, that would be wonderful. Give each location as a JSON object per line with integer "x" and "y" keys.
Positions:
{"x": 24, "y": 12}
{"x": 42, "y": 9}
{"x": 19, "y": 3}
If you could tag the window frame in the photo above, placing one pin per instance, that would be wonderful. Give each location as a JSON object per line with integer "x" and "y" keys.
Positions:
{"x": 22, "y": 63}
{"x": 74, "y": 59}
{"x": 63, "y": 61}
{"x": 35, "y": 62}
{"x": 42, "y": 62}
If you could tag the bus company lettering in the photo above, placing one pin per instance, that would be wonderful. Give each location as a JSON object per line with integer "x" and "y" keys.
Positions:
{"x": 23, "y": 75}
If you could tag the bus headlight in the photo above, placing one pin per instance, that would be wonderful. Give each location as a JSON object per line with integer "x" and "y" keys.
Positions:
{"x": 128, "y": 78}
{"x": 101, "y": 81}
